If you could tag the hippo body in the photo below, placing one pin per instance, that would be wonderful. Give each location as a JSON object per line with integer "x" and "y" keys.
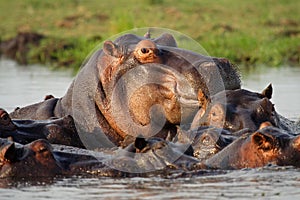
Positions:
{"x": 268, "y": 145}
{"x": 42, "y": 159}
{"x": 57, "y": 131}
{"x": 113, "y": 93}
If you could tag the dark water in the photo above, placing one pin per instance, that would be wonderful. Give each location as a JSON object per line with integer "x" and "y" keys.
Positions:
{"x": 22, "y": 85}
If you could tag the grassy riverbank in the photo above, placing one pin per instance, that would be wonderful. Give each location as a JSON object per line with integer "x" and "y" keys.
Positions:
{"x": 247, "y": 32}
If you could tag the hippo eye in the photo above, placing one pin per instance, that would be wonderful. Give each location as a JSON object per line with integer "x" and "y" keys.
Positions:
{"x": 5, "y": 118}
{"x": 144, "y": 50}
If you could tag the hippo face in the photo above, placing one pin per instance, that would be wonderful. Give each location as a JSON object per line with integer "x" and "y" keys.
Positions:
{"x": 156, "y": 153}
{"x": 136, "y": 74}
{"x": 207, "y": 141}
{"x": 32, "y": 160}
{"x": 237, "y": 109}
{"x": 268, "y": 145}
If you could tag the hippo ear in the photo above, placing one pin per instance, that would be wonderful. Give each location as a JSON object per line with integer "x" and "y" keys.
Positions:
{"x": 111, "y": 49}
{"x": 265, "y": 124}
{"x": 166, "y": 39}
{"x": 268, "y": 91}
{"x": 9, "y": 152}
{"x": 140, "y": 143}
{"x": 262, "y": 141}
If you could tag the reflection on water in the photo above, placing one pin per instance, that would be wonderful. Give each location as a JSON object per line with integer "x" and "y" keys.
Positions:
{"x": 262, "y": 183}
{"x": 286, "y": 87}
{"x": 22, "y": 85}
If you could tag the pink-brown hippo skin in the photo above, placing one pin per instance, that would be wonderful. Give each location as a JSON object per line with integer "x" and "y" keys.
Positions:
{"x": 268, "y": 145}
{"x": 117, "y": 91}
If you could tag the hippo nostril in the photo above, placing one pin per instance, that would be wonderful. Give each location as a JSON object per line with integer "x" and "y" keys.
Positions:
{"x": 144, "y": 50}
{"x": 42, "y": 149}
{"x": 5, "y": 117}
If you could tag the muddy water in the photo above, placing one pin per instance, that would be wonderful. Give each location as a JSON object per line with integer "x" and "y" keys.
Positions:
{"x": 22, "y": 85}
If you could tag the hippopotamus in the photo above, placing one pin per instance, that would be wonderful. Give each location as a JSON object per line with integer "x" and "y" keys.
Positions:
{"x": 57, "y": 131}
{"x": 267, "y": 145}
{"x": 136, "y": 85}
{"x": 157, "y": 153}
{"x": 206, "y": 141}
{"x": 32, "y": 160}
{"x": 42, "y": 159}
{"x": 235, "y": 110}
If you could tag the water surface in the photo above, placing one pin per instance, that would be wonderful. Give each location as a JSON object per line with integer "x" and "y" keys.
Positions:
{"x": 23, "y": 85}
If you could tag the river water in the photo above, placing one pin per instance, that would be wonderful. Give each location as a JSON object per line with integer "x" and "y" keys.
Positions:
{"x": 23, "y": 85}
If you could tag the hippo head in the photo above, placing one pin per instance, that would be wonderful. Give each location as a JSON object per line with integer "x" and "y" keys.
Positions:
{"x": 206, "y": 141}
{"x": 267, "y": 145}
{"x": 237, "y": 109}
{"x": 270, "y": 145}
{"x": 145, "y": 84}
{"x": 31, "y": 160}
{"x": 156, "y": 154}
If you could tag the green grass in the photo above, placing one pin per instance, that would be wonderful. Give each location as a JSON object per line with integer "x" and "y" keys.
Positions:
{"x": 247, "y": 32}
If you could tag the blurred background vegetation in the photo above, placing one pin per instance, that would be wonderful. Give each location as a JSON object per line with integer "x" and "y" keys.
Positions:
{"x": 249, "y": 33}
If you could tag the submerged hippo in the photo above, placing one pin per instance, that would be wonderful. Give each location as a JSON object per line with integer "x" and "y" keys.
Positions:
{"x": 57, "y": 131}
{"x": 157, "y": 153}
{"x": 207, "y": 141}
{"x": 268, "y": 145}
{"x": 237, "y": 109}
{"x": 42, "y": 159}
{"x": 33, "y": 160}
{"x": 136, "y": 85}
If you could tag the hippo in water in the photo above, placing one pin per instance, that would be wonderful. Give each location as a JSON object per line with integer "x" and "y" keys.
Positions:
{"x": 268, "y": 145}
{"x": 42, "y": 159}
{"x": 237, "y": 109}
{"x": 57, "y": 131}
{"x": 136, "y": 85}
{"x": 207, "y": 141}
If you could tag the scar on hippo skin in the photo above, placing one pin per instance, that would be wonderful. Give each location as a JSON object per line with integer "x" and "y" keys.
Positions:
{"x": 236, "y": 109}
